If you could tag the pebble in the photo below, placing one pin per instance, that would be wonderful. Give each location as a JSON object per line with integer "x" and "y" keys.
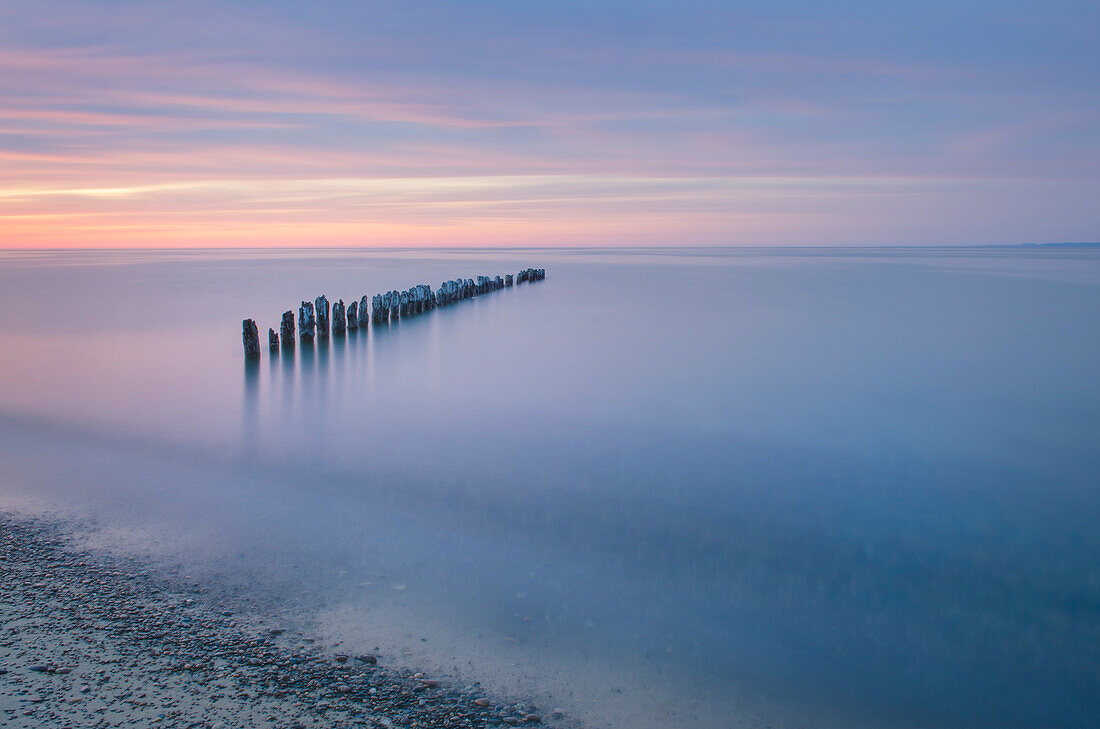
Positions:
{"x": 149, "y": 655}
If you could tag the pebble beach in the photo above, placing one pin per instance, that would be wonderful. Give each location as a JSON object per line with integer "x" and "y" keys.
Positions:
{"x": 87, "y": 640}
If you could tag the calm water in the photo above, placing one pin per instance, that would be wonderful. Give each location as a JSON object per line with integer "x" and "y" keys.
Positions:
{"x": 668, "y": 489}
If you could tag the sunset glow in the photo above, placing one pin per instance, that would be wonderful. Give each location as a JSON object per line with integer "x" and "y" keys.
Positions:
{"x": 237, "y": 124}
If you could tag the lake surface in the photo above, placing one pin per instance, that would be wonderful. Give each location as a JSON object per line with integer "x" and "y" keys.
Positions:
{"x": 660, "y": 488}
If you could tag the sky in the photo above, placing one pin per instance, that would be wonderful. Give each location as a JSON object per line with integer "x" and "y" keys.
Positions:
{"x": 521, "y": 122}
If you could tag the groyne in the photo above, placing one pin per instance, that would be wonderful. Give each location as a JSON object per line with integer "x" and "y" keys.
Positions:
{"x": 317, "y": 319}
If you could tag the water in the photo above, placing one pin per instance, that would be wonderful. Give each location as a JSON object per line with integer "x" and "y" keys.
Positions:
{"x": 666, "y": 488}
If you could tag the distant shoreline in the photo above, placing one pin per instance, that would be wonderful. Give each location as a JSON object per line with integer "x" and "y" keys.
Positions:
{"x": 7, "y": 249}
{"x": 1044, "y": 245}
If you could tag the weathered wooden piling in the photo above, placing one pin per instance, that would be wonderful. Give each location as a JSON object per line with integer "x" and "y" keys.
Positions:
{"x": 322, "y": 315}
{"x": 251, "y": 338}
{"x": 286, "y": 329}
{"x": 339, "y": 317}
{"x": 306, "y": 322}
{"x": 353, "y": 315}
{"x": 272, "y": 340}
{"x": 508, "y": 280}
{"x": 364, "y": 312}
{"x": 531, "y": 274}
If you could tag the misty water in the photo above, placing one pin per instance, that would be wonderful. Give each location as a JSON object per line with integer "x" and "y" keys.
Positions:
{"x": 660, "y": 488}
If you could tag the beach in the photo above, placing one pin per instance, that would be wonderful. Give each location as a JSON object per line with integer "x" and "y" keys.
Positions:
{"x": 91, "y": 641}
{"x": 655, "y": 365}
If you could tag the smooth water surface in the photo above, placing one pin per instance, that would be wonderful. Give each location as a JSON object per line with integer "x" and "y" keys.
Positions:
{"x": 667, "y": 488}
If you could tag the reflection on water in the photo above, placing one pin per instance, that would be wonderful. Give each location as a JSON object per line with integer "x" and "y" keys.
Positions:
{"x": 668, "y": 487}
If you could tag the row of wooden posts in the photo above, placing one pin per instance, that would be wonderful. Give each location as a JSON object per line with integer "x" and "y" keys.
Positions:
{"x": 314, "y": 318}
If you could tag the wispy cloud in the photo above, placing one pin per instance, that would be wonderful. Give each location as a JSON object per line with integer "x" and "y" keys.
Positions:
{"x": 366, "y": 123}
{"x": 457, "y": 210}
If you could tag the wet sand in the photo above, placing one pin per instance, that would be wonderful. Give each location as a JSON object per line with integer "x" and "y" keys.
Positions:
{"x": 87, "y": 640}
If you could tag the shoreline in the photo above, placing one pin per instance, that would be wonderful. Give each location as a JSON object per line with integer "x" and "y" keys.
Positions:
{"x": 92, "y": 640}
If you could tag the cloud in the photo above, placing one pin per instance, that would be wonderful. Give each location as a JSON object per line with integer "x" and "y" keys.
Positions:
{"x": 372, "y": 122}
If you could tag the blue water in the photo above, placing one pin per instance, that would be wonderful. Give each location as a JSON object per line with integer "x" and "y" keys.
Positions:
{"x": 660, "y": 488}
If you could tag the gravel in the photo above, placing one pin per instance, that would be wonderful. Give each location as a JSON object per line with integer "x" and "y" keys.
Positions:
{"x": 87, "y": 640}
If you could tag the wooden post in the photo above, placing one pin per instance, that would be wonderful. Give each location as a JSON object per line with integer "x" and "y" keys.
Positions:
{"x": 339, "y": 317}
{"x": 272, "y": 340}
{"x": 286, "y": 329}
{"x": 364, "y": 312}
{"x": 353, "y": 315}
{"x": 306, "y": 322}
{"x": 322, "y": 315}
{"x": 251, "y": 337}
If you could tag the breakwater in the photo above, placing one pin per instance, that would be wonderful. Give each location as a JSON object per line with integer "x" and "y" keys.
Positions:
{"x": 318, "y": 319}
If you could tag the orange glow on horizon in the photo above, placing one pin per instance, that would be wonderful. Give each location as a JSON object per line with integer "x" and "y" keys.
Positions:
{"x": 430, "y": 211}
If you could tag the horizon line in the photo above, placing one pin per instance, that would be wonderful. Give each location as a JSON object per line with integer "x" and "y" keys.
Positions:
{"x": 521, "y": 246}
